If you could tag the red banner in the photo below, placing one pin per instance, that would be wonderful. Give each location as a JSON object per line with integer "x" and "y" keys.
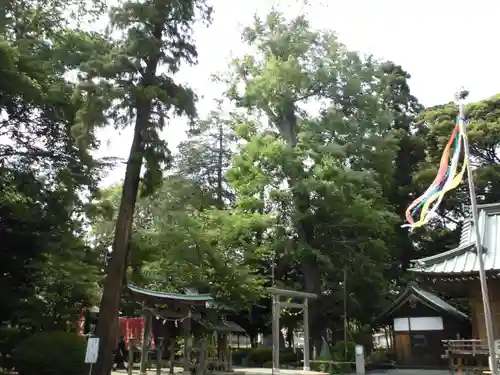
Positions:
{"x": 133, "y": 328}
{"x": 80, "y": 330}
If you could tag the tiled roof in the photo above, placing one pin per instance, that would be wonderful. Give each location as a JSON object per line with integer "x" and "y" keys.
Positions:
{"x": 463, "y": 259}
{"x": 222, "y": 326}
{"x": 427, "y": 298}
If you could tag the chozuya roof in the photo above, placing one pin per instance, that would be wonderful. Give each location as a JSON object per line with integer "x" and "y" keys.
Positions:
{"x": 463, "y": 259}
{"x": 429, "y": 299}
{"x": 188, "y": 296}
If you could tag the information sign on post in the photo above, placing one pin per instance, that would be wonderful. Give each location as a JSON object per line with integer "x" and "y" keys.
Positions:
{"x": 360, "y": 359}
{"x": 497, "y": 347}
{"x": 92, "y": 350}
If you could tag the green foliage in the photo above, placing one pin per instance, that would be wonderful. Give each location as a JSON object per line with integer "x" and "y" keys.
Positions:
{"x": 9, "y": 339}
{"x": 434, "y": 128}
{"x": 262, "y": 357}
{"x": 303, "y": 180}
{"x": 321, "y": 174}
{"x": 51, "y": 353}
{"x": 181, "y": 239}
{"x": 207, "y": 154}
{"x": 339, "y": 352}
{"x": 47, "y": 272}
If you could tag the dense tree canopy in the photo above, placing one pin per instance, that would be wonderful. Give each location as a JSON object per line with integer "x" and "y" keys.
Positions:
{"x": 300, "y": 176}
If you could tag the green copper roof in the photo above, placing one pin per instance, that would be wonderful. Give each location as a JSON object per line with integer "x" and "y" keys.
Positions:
{"x": 171, "y": 296}
{"x": 463, "y": 259}
{"x": 429, "y": 299}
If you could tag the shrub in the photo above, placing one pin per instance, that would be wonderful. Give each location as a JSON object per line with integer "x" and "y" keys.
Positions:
{"x": 51, "y": 353}
{"x": 339, "y": 351}
{"x": 10, "y": 337}
{"x": 259, "y": 357}
{"x": 239, "y": 356}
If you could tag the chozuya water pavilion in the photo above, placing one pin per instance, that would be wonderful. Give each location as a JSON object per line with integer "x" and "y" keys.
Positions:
{"x": 455, "y": 273}
{"x": 195, "y": 317}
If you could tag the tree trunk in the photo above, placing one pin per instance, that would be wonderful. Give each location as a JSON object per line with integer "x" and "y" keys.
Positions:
{"x": 220, "y": 197}
{"x": 287, "y": 126}
{"x": 317, "y": 328}
{"x": 110, "y": 302}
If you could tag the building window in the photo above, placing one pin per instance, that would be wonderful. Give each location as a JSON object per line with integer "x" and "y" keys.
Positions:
{"x": 418, "y": 340}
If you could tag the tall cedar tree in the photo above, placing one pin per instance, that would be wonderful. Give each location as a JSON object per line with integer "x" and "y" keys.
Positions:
{"x": 133, "y": 84}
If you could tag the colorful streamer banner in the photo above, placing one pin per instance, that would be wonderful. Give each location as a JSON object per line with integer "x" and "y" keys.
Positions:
{"x": 422, "y": 209}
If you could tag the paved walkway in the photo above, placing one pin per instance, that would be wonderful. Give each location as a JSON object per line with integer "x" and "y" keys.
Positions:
{"x": 268, "y": 371}
{"x": 410, "y": 372}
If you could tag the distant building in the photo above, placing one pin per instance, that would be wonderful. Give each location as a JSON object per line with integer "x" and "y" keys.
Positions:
{"x": 418, "y": 321}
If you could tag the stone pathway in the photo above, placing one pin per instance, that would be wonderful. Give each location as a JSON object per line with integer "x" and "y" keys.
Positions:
{"x": 267, "y": 371}
{"x": 409, "y": 372}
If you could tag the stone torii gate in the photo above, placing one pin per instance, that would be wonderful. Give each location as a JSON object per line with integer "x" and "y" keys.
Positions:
{"x": 276, "y": 313}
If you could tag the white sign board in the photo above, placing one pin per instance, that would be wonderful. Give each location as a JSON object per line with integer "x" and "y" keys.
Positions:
{"x": 497, "y": 347}
{"x": 360, "y": 360}
{"x": 430, "y": 323}
{"x": 92, "y": 350}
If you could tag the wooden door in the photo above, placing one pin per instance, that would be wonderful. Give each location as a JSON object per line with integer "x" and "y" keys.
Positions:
{"x": 403, "y": 348}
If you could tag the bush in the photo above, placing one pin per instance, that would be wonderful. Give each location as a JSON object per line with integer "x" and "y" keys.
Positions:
{"x": 239, "y": 355}
{"x": 339, "y": 351}
{"x": 260, "y": 357}
{"x": 10, "y": 338}
{"x": 51, "y": 353}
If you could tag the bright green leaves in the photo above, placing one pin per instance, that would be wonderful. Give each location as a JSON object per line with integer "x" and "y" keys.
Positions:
{"x": 317, "y": 153}
{"x": 122, "y": 83}
{"x": 181, "y": 239}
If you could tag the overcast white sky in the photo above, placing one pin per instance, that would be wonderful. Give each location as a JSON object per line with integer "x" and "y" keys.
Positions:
{"x": 444, "y": 44}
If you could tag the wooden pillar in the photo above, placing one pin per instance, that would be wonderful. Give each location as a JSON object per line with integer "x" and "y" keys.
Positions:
{"x": 132, "y": 343}
{"x": 307, "y": 366}
{"x": 276, "y": 334}
{"x": 229, "y": 355}
{"x": 145, "y": 343}
{"x": 159, "y": 352}
{"x": 172, "y": 354}
{"x": 187, "y": 345}
{"x": 203, "y": 356}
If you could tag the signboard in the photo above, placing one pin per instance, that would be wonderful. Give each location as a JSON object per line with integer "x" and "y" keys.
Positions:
{"x": 359, "y": 349}
{"x": 497, "y": 347}
{"x": 92, "y": 350}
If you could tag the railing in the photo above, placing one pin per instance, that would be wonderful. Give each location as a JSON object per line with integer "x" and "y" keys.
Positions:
{"x": 466, "y": 357}
{"x": 465, "y": 347}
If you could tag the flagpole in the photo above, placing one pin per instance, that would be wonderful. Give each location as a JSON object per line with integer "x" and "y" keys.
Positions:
{"x": 479, "y": 247}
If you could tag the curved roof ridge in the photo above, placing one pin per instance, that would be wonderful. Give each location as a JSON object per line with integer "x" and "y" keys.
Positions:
{"x": 428, "y": 298}
{"x": 168, "y": 295}
{"x": 439, "y": 257}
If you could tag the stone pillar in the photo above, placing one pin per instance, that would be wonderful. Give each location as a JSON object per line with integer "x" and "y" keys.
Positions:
{"x": 276, "y": 334}
{"x": 307, "y": 366}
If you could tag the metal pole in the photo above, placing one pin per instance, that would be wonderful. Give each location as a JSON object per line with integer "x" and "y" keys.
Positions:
{"x": 479, "y": 248}
{"x": 345, "y": 314}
